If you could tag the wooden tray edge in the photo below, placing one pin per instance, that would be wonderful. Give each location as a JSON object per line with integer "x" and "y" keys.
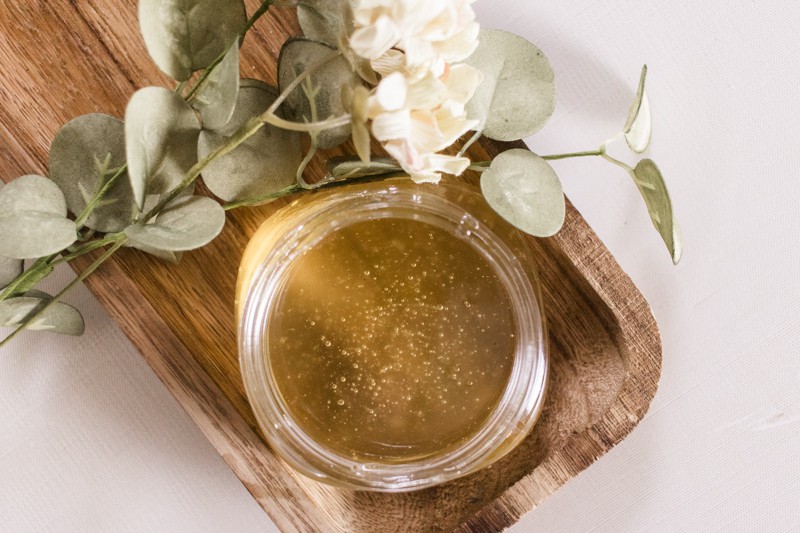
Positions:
{"x": 265, "y": 477}
{"x": 234, "y": 439}
{"x": 638, "y": 334}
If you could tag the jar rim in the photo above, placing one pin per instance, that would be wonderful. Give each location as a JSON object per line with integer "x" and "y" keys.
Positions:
{"x": 521, "y": 401}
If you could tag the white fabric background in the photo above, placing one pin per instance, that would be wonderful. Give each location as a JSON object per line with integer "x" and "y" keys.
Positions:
{"x": 91, "y": 441}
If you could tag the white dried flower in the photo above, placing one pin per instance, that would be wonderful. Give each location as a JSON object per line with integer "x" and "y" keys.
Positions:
{"x": 417, "y": 118}
{"x": 429, "y": 33}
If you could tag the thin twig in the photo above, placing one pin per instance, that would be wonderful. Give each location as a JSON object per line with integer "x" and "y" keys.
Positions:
{"x": 85, "y": 274}
{"x": 589, "y": 153}
{"x": 98, "y": 196}
{"x": 242, "y": 34}
{"x": 263, "y": 198}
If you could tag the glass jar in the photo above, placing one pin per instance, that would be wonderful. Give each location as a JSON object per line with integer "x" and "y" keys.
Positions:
{"x": 278, "y": 351}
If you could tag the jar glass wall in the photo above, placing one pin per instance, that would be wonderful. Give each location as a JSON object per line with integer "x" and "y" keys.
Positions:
{"x": 390, "y": 334}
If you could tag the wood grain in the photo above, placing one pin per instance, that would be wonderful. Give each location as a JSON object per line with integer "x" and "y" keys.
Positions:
{"x": 66, "y": 58}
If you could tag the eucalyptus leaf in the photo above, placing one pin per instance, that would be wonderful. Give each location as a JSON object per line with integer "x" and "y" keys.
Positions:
{"x": 296, "y": 56}
{"x": 266, "y": 162}
{"x": 345, "y": 168}
{"x": 161, "y": 132}
{"x": 322, "y": 20}
{"x": 649, "y": 180}
{"x": 85, "y": 154}
{"x": 58, "y": 318}
{"x": 33, "y": 219}
{"x": 518, "y": 92}
{"x": 188, "y": 35}
{"x": 525, "y": 190}
{"x": 10, "y": 269}
{"x": 165, "y": 255}
{"x": 216, "y": 98}
{"x": 639, "y": 126}
{"x": 185, "y": 224}
{"x": 21, "y": 285}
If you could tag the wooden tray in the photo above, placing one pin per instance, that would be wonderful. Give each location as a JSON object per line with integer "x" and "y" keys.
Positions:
{"x": 64, "y": 58}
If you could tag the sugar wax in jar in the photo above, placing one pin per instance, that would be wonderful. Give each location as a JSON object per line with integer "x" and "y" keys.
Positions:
{"x": 392, "y": 340}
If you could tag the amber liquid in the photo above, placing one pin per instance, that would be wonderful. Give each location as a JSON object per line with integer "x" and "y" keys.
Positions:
{"x": 393, "y": 340}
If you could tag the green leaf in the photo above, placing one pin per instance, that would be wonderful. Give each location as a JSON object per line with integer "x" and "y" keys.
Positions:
{"x": 188, "y": 35}
{"x": 33, "y": 219}
{"x": 649, "y": 180}
{"x": 85, "y": 154}
{"x": 525, "y": 190}
{"x": 266, "y": 162}
{"x": 161, "y": 132}
{"x": 518, "y": 92}
{"x": 22, "y": 284}
{"x": 165, "y": 255}
{"x": 185, "y": 224}
{"x": 345, "y": 168}
{"x": 216, "y": 98}
{"x": 58, "y": 318}
{"x": 10, "y": 269}
{"x": 296, "y": 56}
{"x": 322, "y": 20}
{"x": 639, "y": 126}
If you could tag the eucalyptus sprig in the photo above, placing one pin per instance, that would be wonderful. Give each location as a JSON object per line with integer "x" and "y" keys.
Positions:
{"x": 131, "y": 183}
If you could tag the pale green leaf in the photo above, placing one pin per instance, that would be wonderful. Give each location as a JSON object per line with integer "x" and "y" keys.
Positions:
{"x": 186, "y": 224}
{"x": 29, "y": 194}
{"x": 9, "y": 270}
{"x": 33, "y": 219}
{"x": 85, "y": 154}
{"x": 649, "y": 180}
{"x": 525, "y": 190}
{"x": 216, "y": 98}
{"x": 344, "y": 168}
{"x": 518, "y": 92}
{"x": 266, "y": 162}
{"x": 165, "y": 255}
{"x": 161, "y": 132}
{"x": 58, "y": 318}
{"x": 323, "y": 20}
{"x": 36, "y": 273}
{"x": 639, "y": 126}
{"x": 183, "y": 36}
{"x": 326, "y": 82}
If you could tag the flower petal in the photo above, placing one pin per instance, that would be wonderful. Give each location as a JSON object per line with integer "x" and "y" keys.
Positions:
{"x": 391, "y": 61}
{"x": 392, "y": 125}
{"x": 392, "y": 92}
{"x": 376, "y": 39}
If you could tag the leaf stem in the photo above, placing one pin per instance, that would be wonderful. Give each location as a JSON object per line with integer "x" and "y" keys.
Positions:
{"x": 261, "y": 11}
{"x": 88, "y": 247}
{"x": 261, "y": 199}
{"x": 278, "y": 122}
{"x": 304, "y": 164}
{"x": 472, "y": 140}
{"x": 249, "y": 129}
{"x": 311, "y": 94}
{"x": 478, "y": 168}
{"x": 617, "y": 162}
{"x": 98, "y": 196}
{"x": 250, "y": 22}
{"x": 589, "y": 153}
{"x": 85, "y": 274}
{"x": 270, "y": 117}
{"x": 37, "y": 271}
